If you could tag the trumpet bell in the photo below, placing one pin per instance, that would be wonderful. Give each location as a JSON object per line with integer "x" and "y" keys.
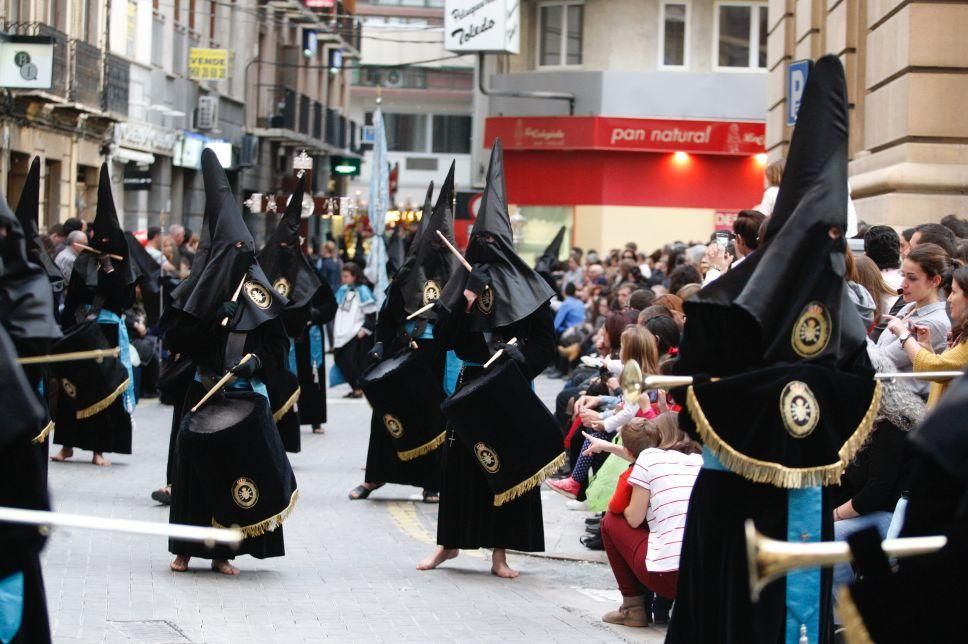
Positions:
{"x": 630, "y": 380}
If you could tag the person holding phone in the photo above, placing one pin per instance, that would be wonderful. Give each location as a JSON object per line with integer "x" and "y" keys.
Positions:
{"x": 923, "y": 273}
{"x": 919, "y": 343}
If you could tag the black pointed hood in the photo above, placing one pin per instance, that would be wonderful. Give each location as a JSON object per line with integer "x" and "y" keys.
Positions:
{"x": 787, "y": 302}
{"x": 150, "y": 281}
{"x": 283, "y": 259}
{"x": 548, "y": 261}
{"x": 430, "y": 264}
{"x": 516, "y": 291}
{"x": 28, "y": 211}
{"x": 105, "y": 235}
{"x": 230, "y": 258}
{"x": 26, "y": 299}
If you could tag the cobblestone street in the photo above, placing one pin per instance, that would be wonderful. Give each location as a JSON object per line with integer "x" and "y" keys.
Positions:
{"x": 348, "y": 574}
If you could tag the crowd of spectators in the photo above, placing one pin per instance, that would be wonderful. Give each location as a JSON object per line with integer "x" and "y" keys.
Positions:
{"x": 908, "y": 287}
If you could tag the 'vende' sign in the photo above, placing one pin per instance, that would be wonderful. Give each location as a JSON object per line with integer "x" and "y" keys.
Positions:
{"x": 482, "y": 25}
{"x": 208, "y": 64}
{"x": 642, "y": 135}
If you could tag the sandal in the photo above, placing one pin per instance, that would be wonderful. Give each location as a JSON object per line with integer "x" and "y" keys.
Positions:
{"x": 361, "y": 492}
{"x": 431, "y": 497}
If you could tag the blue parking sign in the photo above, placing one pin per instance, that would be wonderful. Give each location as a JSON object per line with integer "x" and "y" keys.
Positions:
{"x": 797, "y": 74}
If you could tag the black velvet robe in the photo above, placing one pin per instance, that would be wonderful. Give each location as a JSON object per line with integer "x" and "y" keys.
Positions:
{"x": 205, "y": 343}
{"x": 467, "y": 517}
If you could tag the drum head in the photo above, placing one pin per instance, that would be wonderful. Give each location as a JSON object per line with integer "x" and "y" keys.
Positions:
{"x": 382, "y": 368}
{"x": 221, "y": 413}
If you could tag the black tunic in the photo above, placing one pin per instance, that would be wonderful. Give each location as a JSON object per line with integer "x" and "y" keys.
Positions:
{"x": 110, "y": 429}
{"x": 467, "y": 517}
{"x": 205, "y": 343}
{"x": 382, "y": 463}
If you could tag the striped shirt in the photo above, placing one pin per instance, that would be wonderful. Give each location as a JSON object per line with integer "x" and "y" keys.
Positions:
{"x": 669, "y": 476}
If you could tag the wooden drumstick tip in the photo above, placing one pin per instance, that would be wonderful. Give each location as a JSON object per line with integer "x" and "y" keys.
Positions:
{"x": 456, "y": 252}
{"x": 422, "y": 309}
{"x": 499, "y": 353}
{"x": 221, "y": 383}
{"x": 235, "y": 296}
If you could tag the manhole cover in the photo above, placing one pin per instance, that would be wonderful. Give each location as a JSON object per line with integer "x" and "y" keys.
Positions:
{"x": 155, "y": 631}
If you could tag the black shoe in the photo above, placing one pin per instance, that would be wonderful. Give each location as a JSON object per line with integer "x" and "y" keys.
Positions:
{"x": 594, "y": 529}
{"x": 595, "y": 520}
{"x": 660, "y": 610}
{"x": 161, "y": 497}
{"x": 592, "y": 542}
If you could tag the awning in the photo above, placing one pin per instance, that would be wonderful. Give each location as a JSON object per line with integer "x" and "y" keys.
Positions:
{"x": 127, "y": 155}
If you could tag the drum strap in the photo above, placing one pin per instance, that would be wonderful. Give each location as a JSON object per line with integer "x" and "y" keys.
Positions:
{"x": 234, "y": 347}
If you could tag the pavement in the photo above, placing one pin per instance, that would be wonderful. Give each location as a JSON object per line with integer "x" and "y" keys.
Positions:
{"x": 348, "y": 574}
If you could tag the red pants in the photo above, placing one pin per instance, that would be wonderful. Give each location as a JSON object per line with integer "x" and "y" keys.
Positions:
{"x": 626, "y": 548}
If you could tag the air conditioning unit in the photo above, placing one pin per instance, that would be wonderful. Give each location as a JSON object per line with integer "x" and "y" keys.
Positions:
{"x": 206, "y": 115}
{"x": 393, "y": 78}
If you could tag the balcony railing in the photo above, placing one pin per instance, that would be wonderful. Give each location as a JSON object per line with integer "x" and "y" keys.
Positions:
{"x": 335, "y": 129}
{"x": 85, "y": 80}
{"x": 61, "y": 59}
{"x": 117, "y": 81}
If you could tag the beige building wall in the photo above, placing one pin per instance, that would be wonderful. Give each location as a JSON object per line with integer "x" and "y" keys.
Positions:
{"x": 605, "y": 227}
{"x": 906, "y": 67}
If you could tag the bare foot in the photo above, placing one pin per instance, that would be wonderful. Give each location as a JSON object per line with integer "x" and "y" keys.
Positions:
{"x": 64, "y": 454}
{"x": 100, "y": 461}
{"x": 224, "y": 567}
{"x": 180, "y": 564}
{"x": 500, "y": 567}
{"x": 319, "y": 430}
{"x": 440, "y": 556}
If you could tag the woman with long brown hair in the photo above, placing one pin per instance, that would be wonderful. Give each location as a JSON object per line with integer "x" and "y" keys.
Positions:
{"x": 870, "y": 277}
{"x": 955, "y": 355}
{"x": 638, "y": 345}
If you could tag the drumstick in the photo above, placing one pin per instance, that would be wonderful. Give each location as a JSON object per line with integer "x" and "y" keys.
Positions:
{"x": 98, "y": 252}
{"x": 422, "y": 309}
{"x": 456, "y": 252}
{"x": 235, "y": 297}
{"x": 44, "y": 519}
{"x": 221, "y": 383}
{"x": 499, "y": 353}
{"x": 93, "y": 354}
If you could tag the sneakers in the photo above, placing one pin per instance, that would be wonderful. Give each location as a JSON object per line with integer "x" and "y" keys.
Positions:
{"x": 568, "y": 487}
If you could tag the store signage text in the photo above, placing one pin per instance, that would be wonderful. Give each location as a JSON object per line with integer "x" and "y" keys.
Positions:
{"x": 208, "y": 64}
{"x": 607, "y": 133}
{"x": 482, "y": 25}
{"x": 147, "y": 137}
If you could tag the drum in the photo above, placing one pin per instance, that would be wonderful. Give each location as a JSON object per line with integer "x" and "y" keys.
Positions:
{"x": 284, "y": 392}
{"x": 406, "y": 394}
{"x": 234, "y": 451}
{"x": 510, "y": 432}
{"x": 91, "y": 385}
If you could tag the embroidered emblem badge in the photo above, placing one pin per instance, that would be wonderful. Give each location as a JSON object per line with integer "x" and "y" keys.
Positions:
{"x": 431, "y": 292}
{"x": 393, "y": 425}
{"x": 486, "y": 300}
{"x": 811, "y": 331}
{"x": 282, "y": 287}
{"x": 245, "y": 493}
{"x": 799, "y": 409}
{"x": 258, "y": 294}
{"x": 69, "y": 388}
{"x": 487, "y": 457}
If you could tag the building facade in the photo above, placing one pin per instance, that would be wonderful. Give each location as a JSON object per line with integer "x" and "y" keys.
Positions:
{"x": 658, "y": 132}
{"x": 426, "y": 107}
{"x": 134, "y": 84}
{"x": 906, "y": 65}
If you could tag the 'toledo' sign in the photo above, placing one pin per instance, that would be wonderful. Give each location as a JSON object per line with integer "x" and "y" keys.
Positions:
{"x": 482, "y": 25}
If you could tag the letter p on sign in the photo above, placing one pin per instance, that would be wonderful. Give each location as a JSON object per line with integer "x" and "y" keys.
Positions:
{"x": 797, "y": 74}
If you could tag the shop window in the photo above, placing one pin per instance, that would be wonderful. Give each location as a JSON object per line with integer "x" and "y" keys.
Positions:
{"x": 452, "y": 134}
{"x": 560, "y": 34}
{"x": 673, "y": 39}
{"x": 406, "y": 132}
{"x": 741, "y": 35}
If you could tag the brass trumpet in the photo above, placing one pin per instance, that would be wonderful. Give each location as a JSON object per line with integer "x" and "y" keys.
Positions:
{"x": 769, "y": 559}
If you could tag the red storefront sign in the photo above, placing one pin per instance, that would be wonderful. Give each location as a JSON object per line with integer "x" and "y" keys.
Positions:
{"x": 626, "y": 134}
{"x": 724, "y": 219}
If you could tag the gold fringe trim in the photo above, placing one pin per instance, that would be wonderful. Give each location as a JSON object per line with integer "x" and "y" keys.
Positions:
{"x": 98, "y": 407}
{"x": 775, "y": 474}
{"x": 855, "y": 632}
{"x": 268, "y": 525}
{"x": 426, "y": 448}
{"x": 44, "y": 433}
{"x": 530, "y": 483}
{"x": 277, "y": 415}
